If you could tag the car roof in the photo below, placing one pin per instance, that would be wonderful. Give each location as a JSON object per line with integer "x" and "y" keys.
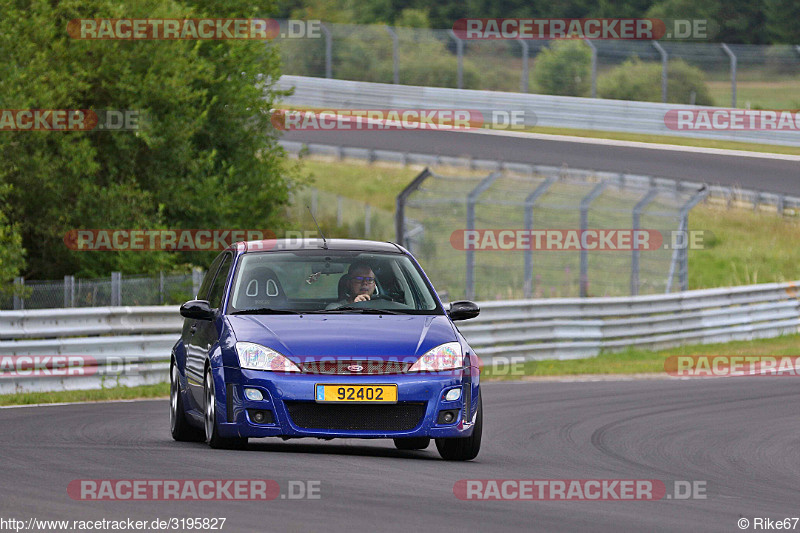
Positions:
{"x": 350, "y": 245}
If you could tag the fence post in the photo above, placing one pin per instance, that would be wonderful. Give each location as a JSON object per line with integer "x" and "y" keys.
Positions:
{"x": 472, "y": 199}
{"x": 314, "y": 202}
{"x": 664, "y": 73}
{"x": 161, "y": 287}
{"x": 733, "y": 58}
{"x": 328, "y": 50}
{"x": 116, "y": 289}
{"x": 529, "y": 205}
{"x": 338, "y": 210}
{"x": 594, "y": 67}
{"x": 19, "y": 285}
{"x": 637, "y": 213}
{"x": 680, "y": 255}
{"x": 197, "y": 279}
{"x": 400, "y": 206}
{"x": 367, "y": 221}
{"x": 69, "y": 291}
{"x": 585, "y": 203}
{"x": 395, "y": 56}
{"x": 460, "y": 49}
{"x": 523, "y": 82}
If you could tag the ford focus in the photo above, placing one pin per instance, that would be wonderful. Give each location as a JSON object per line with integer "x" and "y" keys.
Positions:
{"x": 326, "y": 339}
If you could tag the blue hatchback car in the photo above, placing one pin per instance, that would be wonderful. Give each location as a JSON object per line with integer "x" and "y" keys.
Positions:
{"x": 326, "y": 339}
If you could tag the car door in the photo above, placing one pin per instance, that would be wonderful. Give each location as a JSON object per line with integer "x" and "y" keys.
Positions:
{"x": 205, "y": 334}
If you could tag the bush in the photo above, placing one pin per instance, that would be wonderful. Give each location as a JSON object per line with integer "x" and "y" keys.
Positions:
{"x": 564, "y": 69}
{"x": 635, "y": 80}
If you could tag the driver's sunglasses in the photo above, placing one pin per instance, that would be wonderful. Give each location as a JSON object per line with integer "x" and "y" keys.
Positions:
{"x": 363, "y": 279}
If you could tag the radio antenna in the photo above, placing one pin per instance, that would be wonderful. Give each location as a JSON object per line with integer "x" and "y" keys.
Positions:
{"x": 324, "y": 241}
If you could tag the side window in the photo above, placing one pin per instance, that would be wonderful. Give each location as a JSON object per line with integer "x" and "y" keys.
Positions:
{"x": 202, "y": 293}
{"x": 218, "y": 289}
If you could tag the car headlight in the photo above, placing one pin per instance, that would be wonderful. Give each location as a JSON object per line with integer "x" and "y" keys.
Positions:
{"x": 257, "y": 357}
{"x": 446, "y": 356}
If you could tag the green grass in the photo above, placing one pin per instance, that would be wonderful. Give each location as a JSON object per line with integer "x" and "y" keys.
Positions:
{"x": 759, "y": 94}
{"x": 636, "y": 361}
{"x": 159, "y": 390}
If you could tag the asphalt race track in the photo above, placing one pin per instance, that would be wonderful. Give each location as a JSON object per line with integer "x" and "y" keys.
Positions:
{"x": 758, "y": 173}
{"x": 738, "y": 435}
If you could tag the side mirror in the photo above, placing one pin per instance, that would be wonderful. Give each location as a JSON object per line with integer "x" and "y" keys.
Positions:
{"x": 463, "y": 310}
{"x": 199, "y": 309}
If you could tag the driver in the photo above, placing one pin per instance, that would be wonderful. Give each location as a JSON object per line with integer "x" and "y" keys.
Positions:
{"x": 360, "y": 282}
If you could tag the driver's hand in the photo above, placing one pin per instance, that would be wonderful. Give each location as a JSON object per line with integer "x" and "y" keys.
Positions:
{"x": 361, "y": 298}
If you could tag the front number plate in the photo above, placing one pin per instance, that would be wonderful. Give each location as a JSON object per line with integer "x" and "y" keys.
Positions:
{"x": 355, "y": 393}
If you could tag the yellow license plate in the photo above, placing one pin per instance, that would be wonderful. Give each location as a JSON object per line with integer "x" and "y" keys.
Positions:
{"x": 355, "y": 393}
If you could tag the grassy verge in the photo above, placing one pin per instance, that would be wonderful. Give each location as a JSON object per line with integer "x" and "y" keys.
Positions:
{"x": 636, "y": 361}
{"x": 159, "y": 390}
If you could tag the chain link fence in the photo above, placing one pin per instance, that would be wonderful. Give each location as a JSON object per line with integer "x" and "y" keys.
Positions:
{"x": 752, "y": 76}
{"x": 115, "y": 290}
{"x": 445, "y": 219}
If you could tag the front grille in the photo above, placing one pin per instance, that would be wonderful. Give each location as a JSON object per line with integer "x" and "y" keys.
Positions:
{"x": 392, "y": 417}
{"x": 368, "y": 367}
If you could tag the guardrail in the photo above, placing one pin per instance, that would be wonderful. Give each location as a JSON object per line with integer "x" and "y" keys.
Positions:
{"x": 536, "y": 109}
{"x": 557, "y": 328}
{"x": 718, "y": 194}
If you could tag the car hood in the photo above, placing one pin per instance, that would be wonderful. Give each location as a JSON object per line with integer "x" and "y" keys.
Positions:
{"x": 379, "y": 337}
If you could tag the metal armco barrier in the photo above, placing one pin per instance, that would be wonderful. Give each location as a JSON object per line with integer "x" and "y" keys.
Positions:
{"x": 537, "y": 109}
{"x": 555, "y": 328}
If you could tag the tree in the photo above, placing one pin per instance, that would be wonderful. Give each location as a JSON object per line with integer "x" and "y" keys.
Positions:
{"x": 206, "y": 155}
{"x": 564, "y": 69}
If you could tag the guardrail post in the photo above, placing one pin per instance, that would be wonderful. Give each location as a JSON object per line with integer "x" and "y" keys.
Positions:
{"x": 585, "y": 203}
{"x": 395, "y": 56}
{"x": 400, "y": 206}
{"x": 460, "y": 49}
{"x": 523, "y": 82}
{"x": 328, "y": 50}
{"x": 733, "y": 59}
{"x": 664, "y": 73}
{"x": 637, "y": 213}
{"x": 197, "y": 279}
{"x": 529, "y": 204}
{"x": 472, "y": 199}
{"x": 19, "y": 285}
{"x": 594, "y": 66}
{"x": 680, "y": 255}
{"x": 116, "y": 289}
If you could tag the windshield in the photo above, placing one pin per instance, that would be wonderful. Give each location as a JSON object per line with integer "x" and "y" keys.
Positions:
{"x": 323, "y": 281}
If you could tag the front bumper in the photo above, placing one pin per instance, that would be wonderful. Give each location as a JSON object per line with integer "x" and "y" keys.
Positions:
{"x": 281, "y": 390}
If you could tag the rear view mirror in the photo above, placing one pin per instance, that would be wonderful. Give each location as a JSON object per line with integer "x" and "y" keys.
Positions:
{"x": 198, "y": 309}
{"x": 463, "y": 310}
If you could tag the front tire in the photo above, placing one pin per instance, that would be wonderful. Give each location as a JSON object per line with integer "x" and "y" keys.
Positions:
{"x": 210, "y": 419}
{"x": 463, "y": 448}
{"x": 414, "y": 443}
{"x": 179, "y": 427}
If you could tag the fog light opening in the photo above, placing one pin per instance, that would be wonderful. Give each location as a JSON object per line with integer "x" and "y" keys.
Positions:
{"x": 253, "y": 394}
{"x": 447, "y": 417}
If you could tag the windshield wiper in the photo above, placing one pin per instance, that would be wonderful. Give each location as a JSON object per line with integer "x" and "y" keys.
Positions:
{"x": 363, "y": 310}
{"x": 266, "y": 311}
